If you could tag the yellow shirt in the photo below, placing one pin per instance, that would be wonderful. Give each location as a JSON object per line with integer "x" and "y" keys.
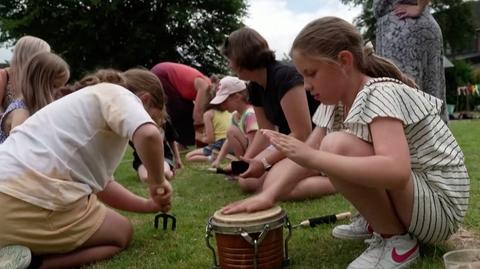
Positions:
{"x": 221, "y": 121}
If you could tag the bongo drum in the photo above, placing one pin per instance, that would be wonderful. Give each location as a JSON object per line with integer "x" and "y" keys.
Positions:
{"x": 250, "y": 240}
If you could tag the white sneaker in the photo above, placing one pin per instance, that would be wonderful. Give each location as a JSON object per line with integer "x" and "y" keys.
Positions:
{"x": 358, "y": 229}
{"x": 396, "y": 252}
{"x": 15, "y": 257}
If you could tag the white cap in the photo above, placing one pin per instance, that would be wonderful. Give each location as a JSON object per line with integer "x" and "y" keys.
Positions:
{"x": 227, "y": 86}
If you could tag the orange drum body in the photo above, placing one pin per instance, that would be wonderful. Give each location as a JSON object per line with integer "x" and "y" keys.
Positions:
{"x": 250, "y": 241}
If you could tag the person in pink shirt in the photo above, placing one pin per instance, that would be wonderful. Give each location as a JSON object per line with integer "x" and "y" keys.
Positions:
{"x": 186, "y": 89}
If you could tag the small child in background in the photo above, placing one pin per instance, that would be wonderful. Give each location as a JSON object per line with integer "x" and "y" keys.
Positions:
{"x": 171, "y": 154}
{"x": 216, "y": 120}
{"x": 232, "y": 96}
{"x": 44, "y": 73}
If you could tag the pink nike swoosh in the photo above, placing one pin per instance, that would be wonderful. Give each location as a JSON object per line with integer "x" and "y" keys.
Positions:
{"x": 403, "y": 257}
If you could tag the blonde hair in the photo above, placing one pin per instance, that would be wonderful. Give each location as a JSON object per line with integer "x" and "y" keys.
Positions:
{"x": 25, "y": 48}
{"x": 38, "y": 80}
{"x": 142, "y": 80}
{"x": 325, "y": 37}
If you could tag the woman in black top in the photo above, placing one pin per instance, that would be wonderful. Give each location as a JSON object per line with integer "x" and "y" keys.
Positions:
{"x": 277, "y": 94}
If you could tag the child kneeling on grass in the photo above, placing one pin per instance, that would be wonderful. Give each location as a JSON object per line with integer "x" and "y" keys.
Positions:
{"x": 216, "y": 120}
{"x": 232, "y": 96}
{"x": 58, "y": 165}
{"x": 397, "y": 162}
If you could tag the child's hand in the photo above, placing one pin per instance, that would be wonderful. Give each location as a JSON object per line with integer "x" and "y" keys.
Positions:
{"x": 251, "y": 204}
{"x": 293, "y": 148}
{"x": 161, "y": 194}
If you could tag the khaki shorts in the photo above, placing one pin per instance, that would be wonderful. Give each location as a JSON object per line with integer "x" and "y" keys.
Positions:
{"x": 45, "y": 231}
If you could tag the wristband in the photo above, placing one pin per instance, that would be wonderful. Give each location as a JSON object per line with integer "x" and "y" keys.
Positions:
{"x": 265, "y": 163}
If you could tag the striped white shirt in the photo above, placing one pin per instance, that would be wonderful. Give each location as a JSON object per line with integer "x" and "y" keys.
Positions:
{"x": 441, "y": 181}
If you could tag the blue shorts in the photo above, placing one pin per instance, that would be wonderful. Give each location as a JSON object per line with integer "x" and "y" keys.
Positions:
{"x": 217, "y": 145}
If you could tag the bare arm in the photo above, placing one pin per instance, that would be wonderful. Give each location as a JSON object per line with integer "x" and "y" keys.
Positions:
{"x": 176, "y": 154}
{"x": 259, "y": 142}
{"x": 280, "y": 188}
{"x": 208, "y": 136}
{"x": 117, "y": 196}
{"x": 295, "y": 107}
{"x": 271, "y": 192}
{"x": 148, "y": 143}
{"x": 389, "y": 168}
{"x": 201, "y": 99}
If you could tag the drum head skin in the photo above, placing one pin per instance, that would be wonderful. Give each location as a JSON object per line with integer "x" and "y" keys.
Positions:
{"x": 241, "y": 218}
{"x": 248, "y": 222}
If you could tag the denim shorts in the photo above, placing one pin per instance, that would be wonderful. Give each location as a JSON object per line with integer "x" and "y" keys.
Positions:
{"x": 217, "y": 145}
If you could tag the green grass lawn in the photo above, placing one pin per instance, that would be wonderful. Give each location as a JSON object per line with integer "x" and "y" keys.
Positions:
{"x": 198, "y": 194}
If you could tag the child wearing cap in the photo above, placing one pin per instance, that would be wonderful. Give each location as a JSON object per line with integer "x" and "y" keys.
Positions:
{"x": 216, "y": 120}
{"x": 233, "y": 97}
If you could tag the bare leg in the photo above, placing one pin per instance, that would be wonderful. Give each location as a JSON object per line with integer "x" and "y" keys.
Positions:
{"x": 388, "y": 212}
{"x": 251, "y": 185}
{"x": 112, "y": 237}
{"x": 306, "y": 183}
{"x": 196, "y": 155}
{"x": 237, "y": 141}
{"x": 311, "y": 187}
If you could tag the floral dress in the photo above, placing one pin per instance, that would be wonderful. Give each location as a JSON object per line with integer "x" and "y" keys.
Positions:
{"x": 414, "y": 44}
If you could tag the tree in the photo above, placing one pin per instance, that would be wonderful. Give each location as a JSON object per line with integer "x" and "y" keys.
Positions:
{"x": 453, "y": 16}
{"x": 126, "y": 33}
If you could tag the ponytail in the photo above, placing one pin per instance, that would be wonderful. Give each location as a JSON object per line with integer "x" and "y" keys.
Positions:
{"x": 376, "y": 66}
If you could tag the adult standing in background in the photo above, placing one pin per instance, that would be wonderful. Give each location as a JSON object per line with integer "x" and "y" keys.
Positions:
{"x": 408, "y": 35}
{"x": 187, "y": 92}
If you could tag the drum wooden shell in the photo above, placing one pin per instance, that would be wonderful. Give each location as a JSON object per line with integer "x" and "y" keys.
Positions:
{"x": 250, "y": 241}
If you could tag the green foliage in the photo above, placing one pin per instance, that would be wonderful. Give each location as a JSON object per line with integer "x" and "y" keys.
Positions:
{"x": 126, "y": 33}
{"x": 366, "y": 20}
{"x": 455, "y": 20}
{"x": 463, "y": 72}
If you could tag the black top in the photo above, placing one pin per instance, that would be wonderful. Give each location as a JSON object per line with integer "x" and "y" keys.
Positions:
{"x": 281, "y": 77}
{"x": 171, "y": 135}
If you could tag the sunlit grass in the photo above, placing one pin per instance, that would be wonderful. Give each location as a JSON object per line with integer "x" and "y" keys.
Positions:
{"x": 198, "y": 194}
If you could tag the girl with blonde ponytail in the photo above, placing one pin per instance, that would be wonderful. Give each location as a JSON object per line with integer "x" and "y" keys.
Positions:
{"x": 395, "y": 160}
